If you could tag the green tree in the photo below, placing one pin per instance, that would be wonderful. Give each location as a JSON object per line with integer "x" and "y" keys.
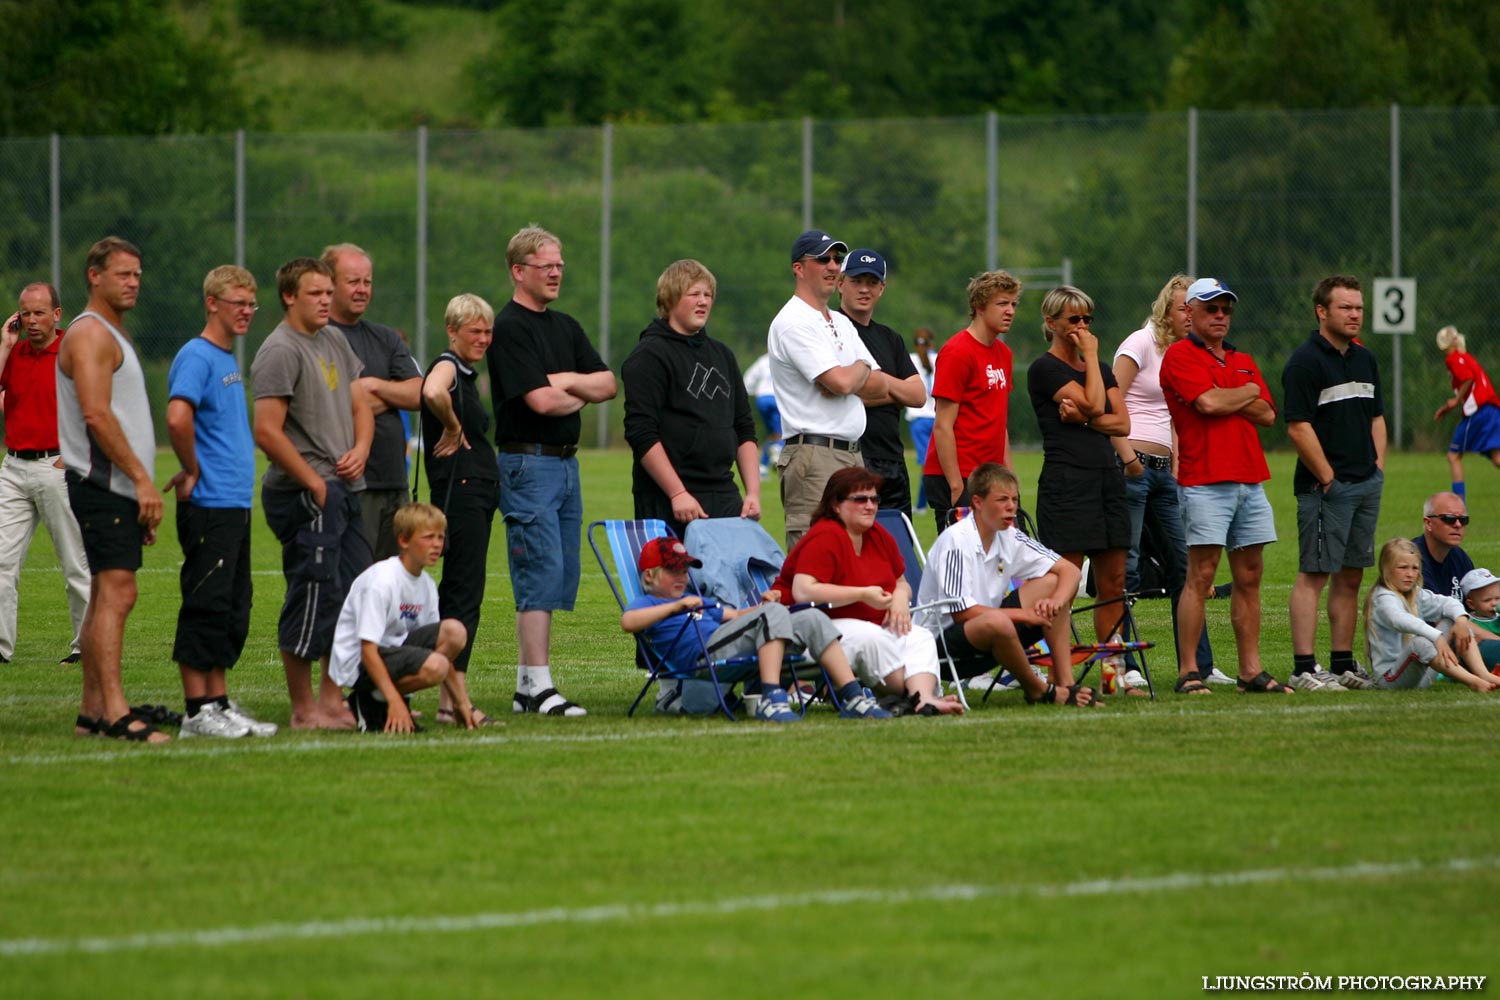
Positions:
{"x": 111, "y": 67}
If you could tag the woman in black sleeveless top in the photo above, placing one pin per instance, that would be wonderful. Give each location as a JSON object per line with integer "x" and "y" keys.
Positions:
{"x": 462, "y": 473}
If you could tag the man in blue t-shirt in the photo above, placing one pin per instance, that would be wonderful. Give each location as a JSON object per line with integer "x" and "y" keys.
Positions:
{"x": 1444, "y": 561}
{"x": 210, "y": 431}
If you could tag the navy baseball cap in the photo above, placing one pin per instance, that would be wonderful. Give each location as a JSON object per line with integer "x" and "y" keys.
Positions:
{"x": 1205, "y": 289}
{"x": 815, "y": 243}
{"x": 864, "y": 262}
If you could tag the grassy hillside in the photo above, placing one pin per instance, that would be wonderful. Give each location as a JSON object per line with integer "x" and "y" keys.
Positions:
{"x": 307, "y": 88}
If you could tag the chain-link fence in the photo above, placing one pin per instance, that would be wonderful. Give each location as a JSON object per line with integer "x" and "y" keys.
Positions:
{"x": 1269, "y": 202}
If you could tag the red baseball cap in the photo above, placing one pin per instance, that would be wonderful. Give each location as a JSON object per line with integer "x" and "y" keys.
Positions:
{"x": 667, "y": 553}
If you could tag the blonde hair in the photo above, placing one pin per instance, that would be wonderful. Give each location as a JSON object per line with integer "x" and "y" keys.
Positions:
{"x": 983, "y": 287}
{"x": 527, "y": 242}
{"x": 412, "y": 518}
{"x": 990, "y": 476}
{"x": 1389, "y": 553}
{"x": 649, "y": 578}
{"x": 331, "y": 254}
{"x": 1449, "y": 339}
{"x": 677, "y": 279}
{"x": 1160, "y": 319}
{"x": 466, "y": 307}
{"x": 1060, "y": 298}
{"x": 221, "y": 279}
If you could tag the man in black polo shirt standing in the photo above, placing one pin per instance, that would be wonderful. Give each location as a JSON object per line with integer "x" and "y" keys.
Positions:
{"x": 1335, "y": 418}
{"x": 543, "y": 371}
{"x": 860, "y": 286}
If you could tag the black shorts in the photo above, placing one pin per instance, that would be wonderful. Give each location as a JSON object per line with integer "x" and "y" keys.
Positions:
{"x": 216, "y": 590}
{"x": 1082, "y": 510}
{"x": 322, "y": 551}
{"x": 403, "y": 660}
{"x": 970, "y": 660}
{"x": 110, "y": 524}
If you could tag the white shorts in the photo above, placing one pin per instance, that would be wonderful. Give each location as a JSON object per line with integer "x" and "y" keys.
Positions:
{"x": 875, "y": 652}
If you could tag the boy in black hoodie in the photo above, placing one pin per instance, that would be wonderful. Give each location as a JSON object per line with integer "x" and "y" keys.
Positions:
{"x": 687, "y": 416}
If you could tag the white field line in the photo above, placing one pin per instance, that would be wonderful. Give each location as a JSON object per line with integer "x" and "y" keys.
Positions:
{"x": 361, "y": 743}
{"x": 219, "y": 937}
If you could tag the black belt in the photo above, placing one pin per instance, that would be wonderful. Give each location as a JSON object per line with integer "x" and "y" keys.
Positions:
{"x": 550, "y": 450}
{"x": 32, "y": 456}
{"x": 1150, "y": 461}
{"x": 823, "y": 441}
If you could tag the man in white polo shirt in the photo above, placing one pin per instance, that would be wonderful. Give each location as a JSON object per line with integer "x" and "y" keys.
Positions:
{"x": 821, "y": 370}
{"x": 980, "y": 621}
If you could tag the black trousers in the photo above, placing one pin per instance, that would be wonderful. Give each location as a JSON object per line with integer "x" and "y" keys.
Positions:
{"x": 471, "y": 512}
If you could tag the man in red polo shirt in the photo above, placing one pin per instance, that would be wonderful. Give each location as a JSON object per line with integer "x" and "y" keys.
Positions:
{"x": 1217, "y": 398}
{"x": 31, "y": 476}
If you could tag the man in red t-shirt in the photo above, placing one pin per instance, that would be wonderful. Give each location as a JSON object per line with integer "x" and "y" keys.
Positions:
{"x": 1217, "y": 397}
{"x": 971, "y": 394}
{"x": 32, "y": 487}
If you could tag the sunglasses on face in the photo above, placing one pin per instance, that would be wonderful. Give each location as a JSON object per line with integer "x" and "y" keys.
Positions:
{"x": 862, "y": 498}
{"x": 1451, "y": 519}
{"x": 1086, "y": 319}
{"x": 834, "y": 258}
{"x": 1213, "y": 309}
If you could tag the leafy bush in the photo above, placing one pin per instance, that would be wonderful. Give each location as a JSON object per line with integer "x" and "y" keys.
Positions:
{"x": 352, "y": 23}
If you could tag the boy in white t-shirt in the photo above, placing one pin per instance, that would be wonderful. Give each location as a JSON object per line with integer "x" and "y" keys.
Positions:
{"x": 389, "y": 641}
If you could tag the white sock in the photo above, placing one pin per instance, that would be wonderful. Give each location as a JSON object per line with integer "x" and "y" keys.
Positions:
{"x": 531, "y": 680}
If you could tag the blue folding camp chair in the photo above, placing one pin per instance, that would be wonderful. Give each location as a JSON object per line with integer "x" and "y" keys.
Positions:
{"x": 623, "y": 541}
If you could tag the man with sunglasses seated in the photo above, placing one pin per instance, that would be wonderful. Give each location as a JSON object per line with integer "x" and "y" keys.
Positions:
{"x": 822, "y": 371}
{"x": 1444, "y": 561}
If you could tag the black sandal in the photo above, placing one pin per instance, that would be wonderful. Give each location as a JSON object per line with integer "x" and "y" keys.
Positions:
{"x": 120, "y": 729}
{"x": 1191, "y": 683}
{"x": 1049, "y": 695}
{"x": 90, "y": 727}
{"x": 156, "y": 715}
{"x": 1261, "y": 683}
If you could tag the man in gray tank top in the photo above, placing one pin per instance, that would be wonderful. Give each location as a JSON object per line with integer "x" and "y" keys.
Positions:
{"x": 109, "y": 447}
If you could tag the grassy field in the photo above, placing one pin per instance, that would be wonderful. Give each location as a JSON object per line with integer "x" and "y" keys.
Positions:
{"x": 1123, "y": 852}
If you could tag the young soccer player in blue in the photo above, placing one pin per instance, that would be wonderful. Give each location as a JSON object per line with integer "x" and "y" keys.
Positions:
{"x": 674, "y": 622}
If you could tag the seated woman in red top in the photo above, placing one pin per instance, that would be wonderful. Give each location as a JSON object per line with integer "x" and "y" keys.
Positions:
{"x": 852, "y": 563}
{"x": 1479, "y": 429}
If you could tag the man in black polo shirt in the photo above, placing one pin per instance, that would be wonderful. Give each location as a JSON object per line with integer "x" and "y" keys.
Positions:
{"x": 1335, "y": 418}
{"x": 543, "y": 371}
{"x": 860, "y": 286}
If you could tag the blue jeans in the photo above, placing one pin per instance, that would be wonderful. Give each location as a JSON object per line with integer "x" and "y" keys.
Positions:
{"x": 1156, "y": 514}
{"x": 543, "y": 511}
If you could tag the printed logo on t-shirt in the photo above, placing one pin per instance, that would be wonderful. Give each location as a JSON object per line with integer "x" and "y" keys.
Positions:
{"x": 410, "y": 612}
{"x": 707, "y": 382}
{"x": 230, "y": 379}
{"x": 330, "y": 373}
{"x": 995, "y": 376}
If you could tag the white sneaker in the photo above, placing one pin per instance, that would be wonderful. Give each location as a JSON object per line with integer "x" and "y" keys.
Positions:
{"x": 1134, "y": 679}
{"x": 250, "y": 722}
{"x": 1316, "y": 680}
{"x": 1219, "y": 677}
{"x": 211, "y": 721}
{"x": 1356, "y": 678}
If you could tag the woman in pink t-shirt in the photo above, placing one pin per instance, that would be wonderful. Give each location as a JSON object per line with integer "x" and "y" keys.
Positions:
{"x": 1479, "y": 429}
{"x": 1148, "y": 457}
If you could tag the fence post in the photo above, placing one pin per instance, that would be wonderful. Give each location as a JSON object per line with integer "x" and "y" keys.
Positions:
{"x": 807, "y": 172}
{"x": 56, "y": 211}
{"x": 1396, "y": 262}
{"x": 992, "y": 191}
{"x": 421, "y": 247}
{"x": 239, "y": 225}
{"x": 606, "y": 201}
{"x": 1192, "y": 192}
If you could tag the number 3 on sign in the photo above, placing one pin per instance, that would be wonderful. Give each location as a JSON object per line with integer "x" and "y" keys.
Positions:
{"x": 1395, "y": 305}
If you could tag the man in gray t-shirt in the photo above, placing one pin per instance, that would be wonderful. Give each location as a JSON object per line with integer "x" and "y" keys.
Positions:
{"x": 313, "y": 421}
{"x": 392, "y": 381}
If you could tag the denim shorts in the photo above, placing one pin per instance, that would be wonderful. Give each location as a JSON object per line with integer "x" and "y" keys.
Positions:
{"x": 543, "y": 510}
{"x": 1229, "y": 515}
{"x": 1336, "y": 527}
